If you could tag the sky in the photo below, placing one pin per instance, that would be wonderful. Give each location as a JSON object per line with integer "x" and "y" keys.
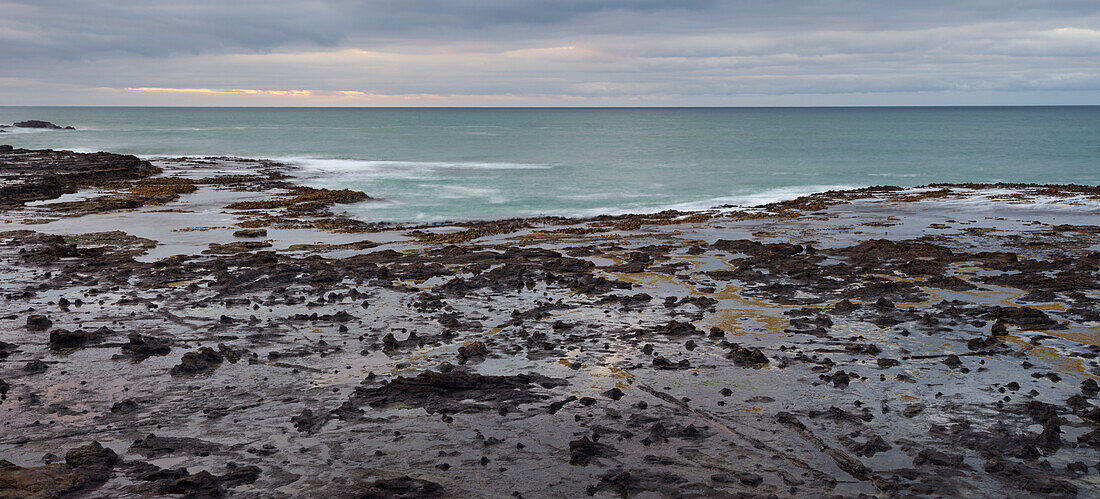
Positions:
{"x": 549, "y": 52}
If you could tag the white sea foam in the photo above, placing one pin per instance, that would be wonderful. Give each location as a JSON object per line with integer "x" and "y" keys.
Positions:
{"x": 372, "y": 167}
{"x": 745, "y": 200}
{"x": 770, "y": 195}
{"x": 21, "y": 130}
{"x": 463, "y": 192}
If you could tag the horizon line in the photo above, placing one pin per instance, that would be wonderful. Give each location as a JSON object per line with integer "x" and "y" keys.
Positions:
{"x": 932, "y": 106}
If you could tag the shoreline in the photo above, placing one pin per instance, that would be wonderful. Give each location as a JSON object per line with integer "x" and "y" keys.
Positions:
{"x": 207, "y": 314}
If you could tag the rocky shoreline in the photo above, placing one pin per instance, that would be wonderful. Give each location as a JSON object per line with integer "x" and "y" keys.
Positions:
{"x": 206, "y": 327}
{"x": 45, "y": 125}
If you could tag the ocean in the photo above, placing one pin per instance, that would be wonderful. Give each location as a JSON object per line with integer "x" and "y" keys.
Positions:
{"x": 430, "y": 165}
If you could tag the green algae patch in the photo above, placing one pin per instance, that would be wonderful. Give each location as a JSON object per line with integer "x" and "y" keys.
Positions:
{"x": 303, "y": 198}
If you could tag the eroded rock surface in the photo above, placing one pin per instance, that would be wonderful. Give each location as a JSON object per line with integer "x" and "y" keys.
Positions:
{"x": 882, "y": 341}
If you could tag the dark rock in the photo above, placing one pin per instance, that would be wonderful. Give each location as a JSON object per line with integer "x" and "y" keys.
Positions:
{"x": 142, "y": 347}
{"x": 885, "y": 363}
{"x": 872, "y": 446}
{"x": 250, "y": 233}
{"x": 153, "y": 446}
{"x": 63, "y": 338}
{"x": 35, "y": 367}
{"x": 40, "y": 124}
{"x": 745, "y": 357}
{"x": 92, "y": 455}
{"x": 934, "y": 457}
{"x": 202, "y": 360}
{"x": 660, "y": 362}
{"x": 38, "y": 323}
{"x": 1089, "y": 387}
{"x": 404, "y": 487}
{"x": 614, "y": 393}
{"x": 840, "y": 379}
{"x": 472, "y": 349}
{"x": 750, "y": 479}
{"x": 451, "y": 392}
{"x": 85, "y": 467}
{"x": 306, "y": 422}
{"x": 584, "y": 451}
{"x": 124, "y": 407}
{"x": 37, "y": 175}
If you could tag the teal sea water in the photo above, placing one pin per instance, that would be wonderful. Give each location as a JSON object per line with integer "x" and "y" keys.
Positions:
{"x": 453, "y": 164}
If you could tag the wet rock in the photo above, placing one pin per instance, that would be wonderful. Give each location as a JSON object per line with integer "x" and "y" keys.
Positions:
{"x": 63, "y": 338}
{"x": 199, "y": 361}
{"x": 614, "y": 394}
{"x": 745, "y": 357}
{"x": 952, "y": 361}
{"x": 84, "y": 468}
{"x": 872, "y": 446}
{"x": 1089, "y": 387}
{"x": 236, "y": 474}
{"x": 38, "y": 323}
{"x": 976, "y": 344}
{"x": 659, "y": 432}
{"x": 1046, "y": 415}
{"x": 124, "y": 407}
{"x": 233, "y": 355}
{"x": 35, "y": 367}
{"x": 885, "y": 363}
{"x": 7, "y": 349}
{"x": 142, "y": 347}
{"x": 659, "y": 362}
{"x": 180, "y": 481}
{"x": 472, "y": 349}
{"x": 306, "y": 422}
{"x": 250, "y": 233}
{"x": 584, "y": 451}
{"x": 153, "y": 446}
{"x": 951, "y": 283}
{"x": 937, "y": 458}
{"x": 840, "y": 379}
{"x": 93, "y": 455}
{"x": 750, "y": 479}
{"x": 677, "y": 328}
{"x": 912, "y": 410}
{"x": 1091, "y": 439}
{"x": 837, "y": 413}
{"x": 36, "y": 175}
{"x": 236, "y": 247}
{"x": 451, "y": 392}
{"x": 1026, "y": 318}
{"x": 845, "y": 306}
{"x": 636, "y": 483}
{"x": 404, "y": 487}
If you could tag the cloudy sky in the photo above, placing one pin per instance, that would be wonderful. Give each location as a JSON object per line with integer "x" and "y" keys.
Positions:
{"x": 548, "y": 52}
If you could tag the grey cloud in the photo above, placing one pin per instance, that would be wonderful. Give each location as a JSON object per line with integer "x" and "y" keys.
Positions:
{"x": 71, "y": 30}
{"x": 640, "y": 49}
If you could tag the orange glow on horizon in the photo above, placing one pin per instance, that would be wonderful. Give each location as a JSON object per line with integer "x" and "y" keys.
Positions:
{"x": 232, "y": 91}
